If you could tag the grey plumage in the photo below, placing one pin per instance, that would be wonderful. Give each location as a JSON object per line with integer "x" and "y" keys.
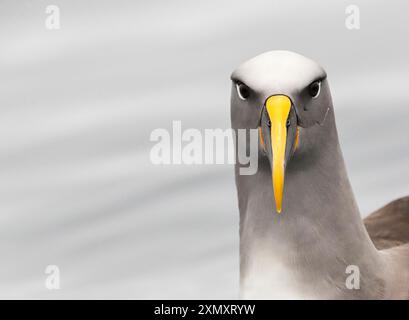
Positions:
{"x": 304, "y": 252}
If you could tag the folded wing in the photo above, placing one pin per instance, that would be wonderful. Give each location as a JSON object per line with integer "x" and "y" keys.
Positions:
{"x": 389, "y": 226}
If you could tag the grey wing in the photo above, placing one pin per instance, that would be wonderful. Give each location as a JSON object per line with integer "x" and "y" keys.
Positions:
{"x": 389, "y": 226}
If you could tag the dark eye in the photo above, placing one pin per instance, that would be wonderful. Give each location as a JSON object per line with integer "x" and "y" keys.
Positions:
{"x": 314, "y": 89}
{"x": 243, "y": 91}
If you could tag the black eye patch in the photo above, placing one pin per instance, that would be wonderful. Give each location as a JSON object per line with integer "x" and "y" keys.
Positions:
{"x": 243, "y": 91}
{"x": 314, "y": 88}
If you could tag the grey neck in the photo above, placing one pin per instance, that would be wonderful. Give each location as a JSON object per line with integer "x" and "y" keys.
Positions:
{"x": 305, "y": 250}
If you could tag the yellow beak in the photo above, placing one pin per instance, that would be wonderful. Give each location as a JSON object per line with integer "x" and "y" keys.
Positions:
{"x": 278, "y": 108}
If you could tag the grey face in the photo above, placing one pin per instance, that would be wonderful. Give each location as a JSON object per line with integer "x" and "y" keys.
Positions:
{"x": 278, "y": 92}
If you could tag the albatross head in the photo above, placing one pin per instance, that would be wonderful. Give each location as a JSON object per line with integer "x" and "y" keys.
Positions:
{"x": 279, "y": 92}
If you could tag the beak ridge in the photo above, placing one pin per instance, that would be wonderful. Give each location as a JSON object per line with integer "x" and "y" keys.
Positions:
{"x": 278, "y": 108}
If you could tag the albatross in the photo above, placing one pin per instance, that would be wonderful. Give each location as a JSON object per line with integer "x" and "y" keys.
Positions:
{"x": 301, "y": 232}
